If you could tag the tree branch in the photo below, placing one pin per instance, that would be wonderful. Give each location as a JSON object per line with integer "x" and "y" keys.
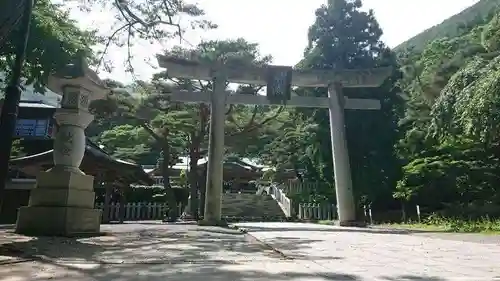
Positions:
{"x": 143, "y": 123}
{"x": 252, "y": 127}
{"x": 130, "y": 67}
{"x": 151, "y": 132}
{"x": 254, "y": 114}
{"x": 108, "y": 44}
{"x": 230, "y": 109}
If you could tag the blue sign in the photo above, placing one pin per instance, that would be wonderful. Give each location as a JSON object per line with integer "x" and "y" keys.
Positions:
{"x": 32, "y": 128}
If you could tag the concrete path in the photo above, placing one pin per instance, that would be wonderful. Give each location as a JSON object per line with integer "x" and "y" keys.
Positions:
{"x": 155, "y": 251}
{"x": 377, "y": 254}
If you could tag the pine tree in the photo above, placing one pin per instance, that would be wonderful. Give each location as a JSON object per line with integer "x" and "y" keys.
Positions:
{"x": 345, "y": 37}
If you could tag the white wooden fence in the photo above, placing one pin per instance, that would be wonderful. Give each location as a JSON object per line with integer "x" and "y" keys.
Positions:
{"x": 136, "y": 211}
{"x": 317, "y": 211}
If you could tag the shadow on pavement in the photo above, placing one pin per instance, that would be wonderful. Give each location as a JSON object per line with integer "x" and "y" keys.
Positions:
{"x": 142, "y": 246}
{"x": 297, "y": 248}
{"x": 162, "y": 252}
{"x": 181, "y": 272}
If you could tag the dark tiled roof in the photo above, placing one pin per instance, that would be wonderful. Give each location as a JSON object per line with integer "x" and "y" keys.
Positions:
{"x": 126, "y": 172}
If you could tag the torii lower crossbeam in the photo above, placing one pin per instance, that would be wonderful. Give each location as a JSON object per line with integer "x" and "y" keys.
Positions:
{"x": 296, "y": 101}
{"x": 336, "y": 103}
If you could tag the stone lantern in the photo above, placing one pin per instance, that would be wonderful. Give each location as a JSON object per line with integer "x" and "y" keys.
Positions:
{"x": 63, "y": 201}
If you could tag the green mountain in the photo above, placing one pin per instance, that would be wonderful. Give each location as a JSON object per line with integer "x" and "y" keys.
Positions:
{"x": 477, "y": 14}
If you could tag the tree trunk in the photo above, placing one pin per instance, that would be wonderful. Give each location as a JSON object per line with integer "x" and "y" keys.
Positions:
{"x": 403, "y": 212}
{"x": 172, "y": 213}
{"x": 107, "y": 199}
{"x": 122, "y": 204}
{"x": 203, "y": 190}
{"x": 193, "y": 188}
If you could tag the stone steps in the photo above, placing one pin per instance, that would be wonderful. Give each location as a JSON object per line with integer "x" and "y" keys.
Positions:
{"x": 251, "y": 207}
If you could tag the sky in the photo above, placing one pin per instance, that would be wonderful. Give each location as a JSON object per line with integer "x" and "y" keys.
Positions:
{"x": 278, "y": 26}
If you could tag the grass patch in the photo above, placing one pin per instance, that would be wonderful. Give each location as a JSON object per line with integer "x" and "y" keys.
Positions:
{"x": 418, "y": 226}
{"x": 326, "y": 222}
{"x": 442, "y": 224}
{"x": 438, "y": 223}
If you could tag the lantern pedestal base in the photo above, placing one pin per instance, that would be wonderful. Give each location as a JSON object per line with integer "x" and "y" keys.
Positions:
{"x": 62, "y": 204}
{"x": 58, "y": 221}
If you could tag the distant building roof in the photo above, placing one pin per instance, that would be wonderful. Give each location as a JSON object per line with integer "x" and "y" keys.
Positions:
{"x": 95, "y": 160}
{"x": 147, "y": 171}
{"x": 244, "y": 162}
{"x": 29, "y": 94}
{"x": 184, "y": 163}
{"x": 35, "y": 104}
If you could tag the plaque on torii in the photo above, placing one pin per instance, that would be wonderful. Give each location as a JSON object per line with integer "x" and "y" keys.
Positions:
{"x": 279, "y": 81}
{"x": 279, "y": 84}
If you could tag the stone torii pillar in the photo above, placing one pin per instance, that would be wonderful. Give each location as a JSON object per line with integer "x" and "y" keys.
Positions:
{"x": 279, "y": 80}
{"x": 63, "y": 201}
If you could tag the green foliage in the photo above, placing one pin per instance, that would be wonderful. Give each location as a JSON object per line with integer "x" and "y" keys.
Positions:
{"x": 457, "y": 25}
{"x": 53, "y": 42}
{"x": 128, "y": 142}
{"x": 440, "y": 223}
{"x": 490, "y": 37}
{"x": 453, "y": 172}
{"x": 122, "y": 136}
{"x": 468, "y": 102}
{"x": 450, "y": 143}
{"x": 484, "y": 224}
{"x": 290, "y": 146}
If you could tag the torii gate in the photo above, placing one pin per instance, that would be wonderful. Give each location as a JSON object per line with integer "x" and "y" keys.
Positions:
{"x": 279, "y": 81}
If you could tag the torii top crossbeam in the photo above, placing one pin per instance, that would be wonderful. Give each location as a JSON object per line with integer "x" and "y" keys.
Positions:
{"x": 257, "y": 75}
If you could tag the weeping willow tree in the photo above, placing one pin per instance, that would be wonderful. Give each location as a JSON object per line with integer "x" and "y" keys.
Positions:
{"x": 470, "y": 103}
{"x": 462, "y": 167}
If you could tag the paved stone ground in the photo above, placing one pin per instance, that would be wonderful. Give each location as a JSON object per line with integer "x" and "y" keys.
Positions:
{"x": 146, "y": 252}
{"x": 155, "y": 251}
{"x": 384, "y": 254}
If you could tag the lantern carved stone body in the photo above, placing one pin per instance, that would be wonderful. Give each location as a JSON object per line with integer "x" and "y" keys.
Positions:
{"x": 63, "y": 201}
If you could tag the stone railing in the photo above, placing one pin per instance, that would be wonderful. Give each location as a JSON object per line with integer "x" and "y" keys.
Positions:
{"x": 282, "y": 193}
{"x": 284, "y": 202}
